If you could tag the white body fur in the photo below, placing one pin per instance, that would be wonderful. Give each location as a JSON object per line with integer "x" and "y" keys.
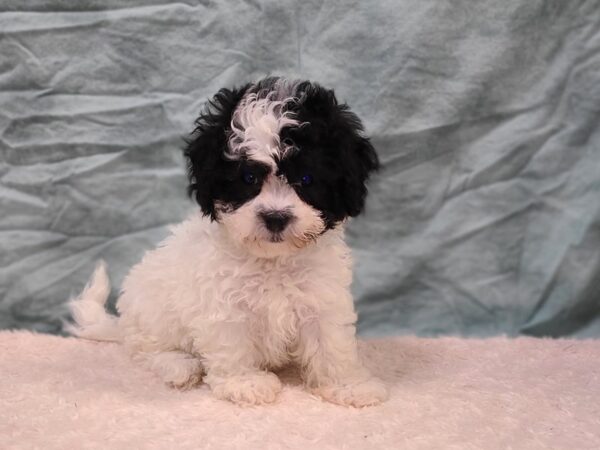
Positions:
{"x": 199, "y": 304}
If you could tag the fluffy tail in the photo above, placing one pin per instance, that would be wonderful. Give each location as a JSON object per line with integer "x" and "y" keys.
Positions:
{"x": 91, "y": 319}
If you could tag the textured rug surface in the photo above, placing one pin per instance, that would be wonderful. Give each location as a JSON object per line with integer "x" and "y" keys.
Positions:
{"x": 445, "y": 394}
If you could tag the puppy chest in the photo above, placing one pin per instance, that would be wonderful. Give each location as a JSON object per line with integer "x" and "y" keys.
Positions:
{"x": 273, "y": 306}
{"x": 273, "y": 320}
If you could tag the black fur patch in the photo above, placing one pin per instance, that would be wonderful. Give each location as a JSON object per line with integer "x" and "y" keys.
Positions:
{"x": 212, "y": 176}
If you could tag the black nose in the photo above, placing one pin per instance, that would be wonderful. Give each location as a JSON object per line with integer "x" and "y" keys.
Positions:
{"x": 276, "y": 221}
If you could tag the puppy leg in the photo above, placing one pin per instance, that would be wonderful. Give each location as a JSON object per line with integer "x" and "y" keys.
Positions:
{"x": 234, "y": 369}
{"x": 176, "y": 368}
{"x": 253, "y": 387}
{"x": 332, "y": 368}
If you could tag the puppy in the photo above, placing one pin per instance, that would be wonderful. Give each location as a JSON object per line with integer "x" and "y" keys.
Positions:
{"x": 261, "y": 277}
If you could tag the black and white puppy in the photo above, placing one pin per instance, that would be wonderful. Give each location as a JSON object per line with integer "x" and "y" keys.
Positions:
{"x": 260, "y": 279}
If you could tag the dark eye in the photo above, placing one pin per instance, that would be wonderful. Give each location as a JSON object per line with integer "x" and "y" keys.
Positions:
{"x": 306, "y": 180}
{"x": 288, "y": 142}
{"x": 249, "y": 178}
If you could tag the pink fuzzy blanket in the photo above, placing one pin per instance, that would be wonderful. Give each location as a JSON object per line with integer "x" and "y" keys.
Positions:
{"x": 445, "y": 394}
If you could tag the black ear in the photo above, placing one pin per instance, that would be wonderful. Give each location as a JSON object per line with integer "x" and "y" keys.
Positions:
{"x": 358, "y": 160}
{"x": 205, "y": 149}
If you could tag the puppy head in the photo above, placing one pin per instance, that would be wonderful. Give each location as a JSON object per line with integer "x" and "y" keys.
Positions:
{"x": 278, "y": 163}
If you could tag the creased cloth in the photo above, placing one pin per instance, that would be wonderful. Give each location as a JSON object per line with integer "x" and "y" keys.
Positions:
{"x": 484, "y": 219}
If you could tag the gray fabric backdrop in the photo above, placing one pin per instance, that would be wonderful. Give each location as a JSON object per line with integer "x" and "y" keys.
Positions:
{"x": 485, "y": 218}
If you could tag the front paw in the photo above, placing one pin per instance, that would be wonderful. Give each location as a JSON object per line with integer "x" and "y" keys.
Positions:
{"x": 251, "y": 389}
{"x": 358, "y": 394}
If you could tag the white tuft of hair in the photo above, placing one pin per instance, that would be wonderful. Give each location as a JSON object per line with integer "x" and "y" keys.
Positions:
{"x": 89, "y": 313}
{"x": 255, "y": 128}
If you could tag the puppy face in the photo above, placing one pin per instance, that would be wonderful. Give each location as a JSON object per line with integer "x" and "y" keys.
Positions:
{"x": 278, "y": 163}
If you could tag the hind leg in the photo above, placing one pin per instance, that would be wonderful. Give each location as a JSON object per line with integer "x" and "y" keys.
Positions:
{"x": 176, "y": 368}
